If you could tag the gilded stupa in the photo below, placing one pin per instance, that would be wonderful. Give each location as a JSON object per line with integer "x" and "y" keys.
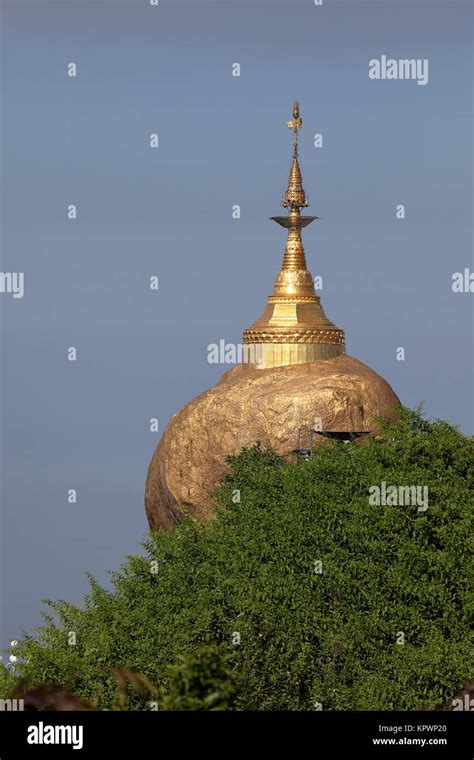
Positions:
{"x": 295, "y": 379}
{"x": 293, "y": 329}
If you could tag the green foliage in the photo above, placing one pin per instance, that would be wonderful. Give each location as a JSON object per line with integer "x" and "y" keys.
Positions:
{"x": 7, "y": 681}
{"x": 200, "y": 681}
{"x": 305, "y": 637}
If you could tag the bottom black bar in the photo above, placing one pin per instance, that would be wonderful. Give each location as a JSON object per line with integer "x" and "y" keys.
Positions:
{"x": 316, "y": 734}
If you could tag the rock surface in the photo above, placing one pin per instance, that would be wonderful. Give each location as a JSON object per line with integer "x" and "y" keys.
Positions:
{"x": 248, "y": 405}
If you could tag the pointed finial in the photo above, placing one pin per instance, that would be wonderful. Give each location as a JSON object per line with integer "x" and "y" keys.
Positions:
{"x": 295, "y": 125}
{"x": 295, "y": 197}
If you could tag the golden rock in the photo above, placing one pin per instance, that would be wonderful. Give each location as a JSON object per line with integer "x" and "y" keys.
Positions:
{"x": 247, "y": 405}
{"x": 295, "y": 375}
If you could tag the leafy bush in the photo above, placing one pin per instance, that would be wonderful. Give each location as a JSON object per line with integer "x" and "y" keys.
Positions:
{"x": 314, "y": 595}
{"x": 199, "y": 681}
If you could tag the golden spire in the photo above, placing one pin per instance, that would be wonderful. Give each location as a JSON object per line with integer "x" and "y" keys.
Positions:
{"x": 295, "y": 196}
{"x": 293, "y": 328}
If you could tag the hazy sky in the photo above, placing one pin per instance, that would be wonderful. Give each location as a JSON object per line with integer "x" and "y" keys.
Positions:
{"x": 167, "y": 211}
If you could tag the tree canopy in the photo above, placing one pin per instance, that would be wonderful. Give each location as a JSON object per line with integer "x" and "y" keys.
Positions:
{"x": 309, "y": 595}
